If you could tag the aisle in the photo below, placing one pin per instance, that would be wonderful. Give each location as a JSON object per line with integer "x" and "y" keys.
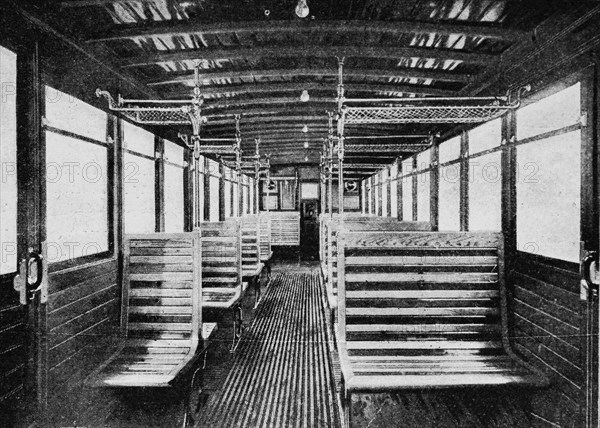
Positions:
{"x": 281, "y": 374}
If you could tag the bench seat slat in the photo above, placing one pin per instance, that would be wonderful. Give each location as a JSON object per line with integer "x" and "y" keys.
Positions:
{"x": 424, "y": 311}
{"x": 422, "y": 294}
{"x": 379, "y": 383}
{"x": 421, "y": 310}
{"x": 424, "y": 344}
{"x": 425, "y": 277}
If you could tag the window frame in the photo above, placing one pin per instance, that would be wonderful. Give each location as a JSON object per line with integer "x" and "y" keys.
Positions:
{"x": 587, "y": 228}
{"x": 111, "y": 152}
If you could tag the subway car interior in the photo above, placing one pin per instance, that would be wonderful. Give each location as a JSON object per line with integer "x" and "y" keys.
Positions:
{"x": 299, "y": 213}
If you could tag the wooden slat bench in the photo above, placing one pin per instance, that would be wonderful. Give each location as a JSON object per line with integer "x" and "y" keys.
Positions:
{"x": 222, "y": 271}
{"x": 161, "y": 313}
{"x": 424, "y": 310}
{"x": 252, "y": 267}
{"x": 266, "y": 254}
{"x": 285, "y": 228}
{"x": 358, "y": 224}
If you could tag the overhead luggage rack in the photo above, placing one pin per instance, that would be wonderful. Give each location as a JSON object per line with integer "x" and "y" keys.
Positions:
{"x": 427, "y": 110}
{"x": 154, "y": 112}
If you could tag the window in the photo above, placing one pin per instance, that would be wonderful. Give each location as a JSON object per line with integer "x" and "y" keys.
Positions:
{"x": 424, "y": 160}
{"x": 77, "y": 178}
{"x": 377, "y": 190}
{"x": 213, "y": 180}
{"x": 67, "y": 113}
{"x": 548, "y": 196}
{"x": 551, "y": 113}
{"x": 423, "y": 186}
{"x": 385, "y": 189}
{"x": 228, "y": 193}
{"x": 549, "y": 176}
{"x": 485, "y": 192}
{"x": 449, "y": 198}
{"x": 251, "y": 197}
{"x": 8, "y": 154}
{"x": 370, "y": 196}
{"x": 244, "y": 190}
{"x": 449, "y": 150}
{"x": 174, "y": 192}
{"x": 423, "y": 196}
{"x": 407, "y": 190}
{"x": 363, "y": 189}
{"x": 138, "y": 180}
{"x": 288, "y": 194}
{"x": 485, "y": 137}
{"x": 394, "y": 191}
{"x": 309, "y": 190}
{"x": 235, "y": 195}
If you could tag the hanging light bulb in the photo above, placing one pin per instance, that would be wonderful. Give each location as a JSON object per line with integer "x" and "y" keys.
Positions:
{"x": 305, "y": 158}
{"x": 306, "y": 144}
{"x": 304, "y": 97}
{"x": 305, "y": 129}
{"x": 302, "y": 9}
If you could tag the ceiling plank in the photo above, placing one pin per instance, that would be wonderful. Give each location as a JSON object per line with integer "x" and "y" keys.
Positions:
{"x": 311, "y": 51}
{"x": 406, "y": 73}
{"x": 169, "y": 28}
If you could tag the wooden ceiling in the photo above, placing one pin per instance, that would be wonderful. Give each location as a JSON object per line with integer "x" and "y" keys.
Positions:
{"x": 256, "y": 58}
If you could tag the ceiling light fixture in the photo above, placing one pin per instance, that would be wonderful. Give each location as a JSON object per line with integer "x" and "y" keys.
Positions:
{"x": 306, "y": 144}
{"x": 302, "y": 10}
{"x": 304, "y": 97}
{"x": 305, "y": 129}
{"x": 305, "y": 158}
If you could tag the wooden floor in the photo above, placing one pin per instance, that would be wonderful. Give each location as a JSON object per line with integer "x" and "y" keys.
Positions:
{"x": 280, "y": 376}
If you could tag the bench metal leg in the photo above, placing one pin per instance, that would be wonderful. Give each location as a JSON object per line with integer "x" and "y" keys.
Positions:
{"x": 238, "y": 326}
{"x": 257, "y": 295}
{"x": 346, "y": 401}
{"x": 193, "y": 396}
{"x": 268, "y": 270}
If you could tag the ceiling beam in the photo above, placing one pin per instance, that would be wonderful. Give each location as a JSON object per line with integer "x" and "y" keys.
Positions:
{"x": 384, "y": 148}
{"x": 229, "y": 103}
{"x": 405, "y": 73}
{"x": 308, "y": 51}
{"x": 266, "y": 87}
{"x": 219, "y": 128}
{"x": 273, "y": 119}
{"x": 88, "y": 3}
{"x": 169, "y": 28}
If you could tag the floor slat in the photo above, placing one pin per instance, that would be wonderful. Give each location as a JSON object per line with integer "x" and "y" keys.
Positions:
{"x": 281, "y": 374}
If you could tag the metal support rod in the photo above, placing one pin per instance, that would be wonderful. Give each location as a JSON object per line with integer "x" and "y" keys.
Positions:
{"x": 423, "y": 99}
{"x": 257, "y": 166}
{"x": 238, "y": 163}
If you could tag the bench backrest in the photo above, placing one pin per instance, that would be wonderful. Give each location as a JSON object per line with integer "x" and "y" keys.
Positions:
{"x": 162, "y": 287}
{"x": 265, "y": 235}
{"x": 250, "y": 241}
{"x": 424, "y": 292}
{"x": 221, "y": 254}
{"x": 369, "y": 224}
{"x": 285, "y": 228}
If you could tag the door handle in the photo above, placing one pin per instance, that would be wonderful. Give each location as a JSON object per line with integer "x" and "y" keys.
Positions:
{"x": 20, "y": 282}
{"x": 32, "y": 277}
{"x": 588, "y": 263}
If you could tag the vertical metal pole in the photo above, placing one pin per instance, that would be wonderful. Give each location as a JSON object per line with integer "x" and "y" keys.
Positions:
{"x": 257, "y": 176}
{"x": 238, "y": 164}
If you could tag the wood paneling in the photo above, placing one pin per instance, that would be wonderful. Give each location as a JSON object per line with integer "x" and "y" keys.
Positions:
{"x": 546, "y": 332}
{"x": 83, "y": 319}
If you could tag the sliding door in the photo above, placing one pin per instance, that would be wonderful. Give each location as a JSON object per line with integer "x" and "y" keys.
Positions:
{"x": 13, "y": 314}
{"x": 555, "y": 226}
